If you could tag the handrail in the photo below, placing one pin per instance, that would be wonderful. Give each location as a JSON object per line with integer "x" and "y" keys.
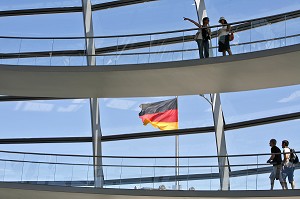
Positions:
{"x": 154, "y": 33}
{"x": 64, "y": 172}
{"x": 184, "y": 50}
{"x": 133, "y": 166}
{"x": 139, "y": 157}
{"x": 30, "y": 54}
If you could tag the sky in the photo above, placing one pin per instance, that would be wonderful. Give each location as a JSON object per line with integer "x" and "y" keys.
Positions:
{"x": 64, "y": 118}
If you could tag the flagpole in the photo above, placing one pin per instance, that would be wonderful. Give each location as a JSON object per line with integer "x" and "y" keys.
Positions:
{"x": 177, "y": 161}
{"x": 172, "y": 123}
{"x": 177, "y": 157}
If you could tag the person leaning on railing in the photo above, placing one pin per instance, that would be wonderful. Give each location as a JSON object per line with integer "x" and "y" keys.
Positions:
{"x": 206, "y": 35}
{"x": 202, "y": 37}
{"x": 223, "y": 36}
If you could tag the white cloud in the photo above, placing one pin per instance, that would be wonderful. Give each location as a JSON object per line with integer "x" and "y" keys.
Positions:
{"x": 137, "y": 108}
{"x": 18, "y": 105}
{"x": 208, "y": 110}
{"x": 70, "y": 108}
{"x": 294, "y": 96}
{"x": 79, "y": 101}
{"x": 41, "y": 106}
{"x": 109, "y": 62}
{"x": 120, "y": 104}
{"x": 66, "y": 62}
{"x": 46, "y": 107}
{"x": 262, "y": 114}
{"x": 35, "y": 107}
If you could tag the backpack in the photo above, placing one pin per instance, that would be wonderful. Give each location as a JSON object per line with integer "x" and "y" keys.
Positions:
{"x": 205, "y": 34}
{"x": 293, "y": 157}
{"x": 231, "y": 37}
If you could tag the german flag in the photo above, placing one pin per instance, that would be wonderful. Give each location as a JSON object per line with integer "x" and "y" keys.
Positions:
{"x": 162, "y": 115}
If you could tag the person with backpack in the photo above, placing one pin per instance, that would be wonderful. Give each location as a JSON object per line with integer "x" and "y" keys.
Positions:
{"x": 224, "y": 37}
{"x": 289, "y": 158}
{"x": 276, "y": 161}
{"x": 202, "y": 37}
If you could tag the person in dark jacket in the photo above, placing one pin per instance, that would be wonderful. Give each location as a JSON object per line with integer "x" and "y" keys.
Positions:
{"x": 276, "y": 161}
{"x": 202, "y": 37}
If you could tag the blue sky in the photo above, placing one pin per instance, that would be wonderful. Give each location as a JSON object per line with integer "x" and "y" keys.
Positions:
{"x": 64, "y": 118}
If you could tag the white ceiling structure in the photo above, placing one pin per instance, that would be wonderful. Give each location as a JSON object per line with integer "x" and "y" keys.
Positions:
{"x": 250, "y": 71}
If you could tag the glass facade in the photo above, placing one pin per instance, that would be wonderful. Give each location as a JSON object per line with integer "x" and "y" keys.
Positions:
{"x": 245, "y": 141}
{"x": 121, "y": 115}
{"x": 122, "y": 130}
{"x": 54, "y": 118}
{"x": 35, "y": 4}
{"x": 140, "y": 18}
{"x": 249, "y": 105}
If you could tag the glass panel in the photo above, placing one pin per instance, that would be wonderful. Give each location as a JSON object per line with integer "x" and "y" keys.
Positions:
{"x": 255, "y": 140}
{"x": 163, "y": 146}
{"x": 70, "y": 24}
{"x": 34, "y": 4}
{"x": 47, "y": 169}
{"x": 244, "y": 141}
{"x": 52, "y": 118}
{"x": 193, "y": 145}
{"x": 49, "y": 25}
{"x": 291, "y": 26}
{"x": 124, "y": 176}
{"x": 120, "y": 116}
{"x": 291, "y": 29}
{"x": 52, "y": 148}
{"x": 248, "y": 105}
{"x": 247, "y": 10}
{"x": 140, "y": 18}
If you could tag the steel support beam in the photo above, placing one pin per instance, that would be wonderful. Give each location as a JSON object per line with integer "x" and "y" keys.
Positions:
{"x": 97, "y": 144}
{"x": 219, "y": 124}
{"x": 131, "y": 136}
{"x": 94, "y": 102}
{"x": 201, "y": 10}
{"x": 89, "y": 32}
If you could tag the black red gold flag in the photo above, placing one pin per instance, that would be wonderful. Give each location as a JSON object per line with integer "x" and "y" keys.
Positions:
{"x": 162, "y": 115}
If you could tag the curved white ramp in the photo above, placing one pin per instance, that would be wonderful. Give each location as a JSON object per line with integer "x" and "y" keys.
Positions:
{"x": 256, "y": 70}
{"x": 25, "y": 191}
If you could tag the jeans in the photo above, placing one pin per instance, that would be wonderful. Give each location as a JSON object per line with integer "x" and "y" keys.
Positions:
{"x": 288, "y": 172}
{"x": 203, "y": 47}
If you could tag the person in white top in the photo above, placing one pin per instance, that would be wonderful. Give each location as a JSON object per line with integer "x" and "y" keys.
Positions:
{"x": 202, "y": 37}
{"x": 288, "y": 166}
{"x": 223, "y": 36}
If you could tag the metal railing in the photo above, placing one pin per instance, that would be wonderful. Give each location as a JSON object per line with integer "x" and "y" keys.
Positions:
{"x": 247, "y": 171}
{"x": 250, "y": 36}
